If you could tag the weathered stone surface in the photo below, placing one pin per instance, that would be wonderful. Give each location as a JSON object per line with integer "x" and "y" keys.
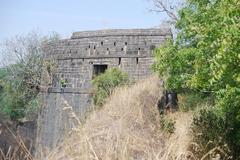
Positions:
{"x": 119, "y": 32}
{"x": 130, "y": 50}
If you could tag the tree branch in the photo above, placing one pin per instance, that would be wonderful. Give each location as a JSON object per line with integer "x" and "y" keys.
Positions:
{"x": 160, "y": 6}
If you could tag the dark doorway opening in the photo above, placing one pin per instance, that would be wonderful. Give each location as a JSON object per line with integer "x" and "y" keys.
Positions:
{"x": 99, "y": 69}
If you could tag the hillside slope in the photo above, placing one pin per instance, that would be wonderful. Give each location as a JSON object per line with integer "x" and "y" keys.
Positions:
{"x": 127, "y": 127}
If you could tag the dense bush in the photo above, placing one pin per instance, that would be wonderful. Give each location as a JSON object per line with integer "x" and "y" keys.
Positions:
{"x": 16, "y": 99}
{"x": 229, "y": 103}
{"x": 210, "y": 131}
{"x": 106, "y": 82}
{"x": 189, "y": 101}
{"x": 218, "y": 128}
{"x": 205, "y": 58}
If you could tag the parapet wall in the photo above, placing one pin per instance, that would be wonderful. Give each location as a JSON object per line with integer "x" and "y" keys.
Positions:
{"x": 130, "y": 50}
{"x": 108, "y": 43}
{"x": 121, "y": 32}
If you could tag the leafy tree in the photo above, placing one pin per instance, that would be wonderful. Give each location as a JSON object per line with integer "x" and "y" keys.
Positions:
{"x": 22, "y": 73}
{"x": 205, "y": 57}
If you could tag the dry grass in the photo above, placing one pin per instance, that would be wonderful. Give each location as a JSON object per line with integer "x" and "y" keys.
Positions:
{"x": 18, "y": 150}
{"x": 177, "y": 145}
{"x": 127, "y": 127}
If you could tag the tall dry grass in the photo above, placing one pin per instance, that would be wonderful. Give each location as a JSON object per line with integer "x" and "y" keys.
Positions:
{"x": 17, "y": 149}
{"x": 127, "y": 127}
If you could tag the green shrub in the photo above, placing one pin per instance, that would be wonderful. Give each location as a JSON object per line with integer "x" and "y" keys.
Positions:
{"x": 13, "y": 100}
{"x": 208, "y": 126}
{"x": 17, "y": 100}
{"x": 212, "y": 131}
{"x": 106, "y": 82}
{"x": 229, "y": 103}
{"x": 204, "y": 57}
{"x": 167, "y": 125}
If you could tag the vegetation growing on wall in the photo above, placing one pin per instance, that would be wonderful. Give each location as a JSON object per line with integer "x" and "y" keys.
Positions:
{"x": 106, "y": 82}
{"x": 204, "y": 58}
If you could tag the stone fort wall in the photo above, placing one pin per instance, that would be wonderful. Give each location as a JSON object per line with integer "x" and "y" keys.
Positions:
{"x": 131, "y": 50}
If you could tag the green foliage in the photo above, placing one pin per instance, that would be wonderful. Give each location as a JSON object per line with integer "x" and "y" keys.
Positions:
{"x": 174, "y": 64}
{"x": 218, "y": 126}
{"x": 20, "y": 80}
{"x": 205, "y": 58}
{"x": 17, "y": 94}
{"x": 3, "y": 73}
{"x": 14, "y": 98}
{"x": 229, "y": 103}
{"x": 8, "y": 98}
{"x": 63, "y": 83}
{"x": 189, "y": 101}
{"x": 205, "y": 55}
{"x": 167, "y": 125}
{"x": 208, "y": 125}
{"x": 212, "y": 28}
{"x": 106, "y": 82}
{"x": 210, "y": 131}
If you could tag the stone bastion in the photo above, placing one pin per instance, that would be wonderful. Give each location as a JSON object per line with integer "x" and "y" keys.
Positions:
{"x": 82, "y": 57}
